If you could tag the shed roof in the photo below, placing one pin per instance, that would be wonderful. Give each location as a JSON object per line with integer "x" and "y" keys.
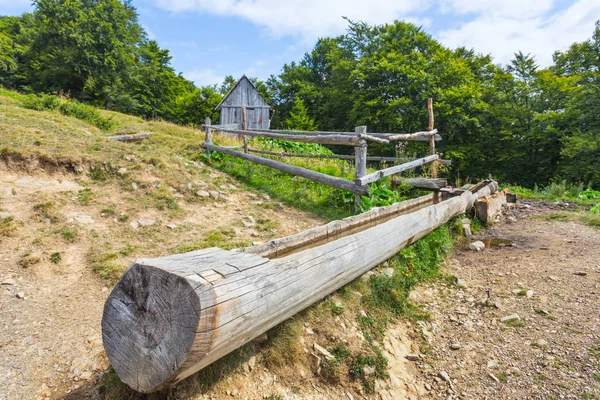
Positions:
{"x": 244, "y": 77}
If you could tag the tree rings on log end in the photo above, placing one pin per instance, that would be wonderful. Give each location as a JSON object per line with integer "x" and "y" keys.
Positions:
{"x": 149, "y": 325}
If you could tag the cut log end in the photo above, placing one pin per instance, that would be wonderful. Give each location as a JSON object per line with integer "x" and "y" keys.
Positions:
{"x": 149, "y": 325}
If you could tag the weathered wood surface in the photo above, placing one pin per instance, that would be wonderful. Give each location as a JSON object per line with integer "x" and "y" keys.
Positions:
{"x": 330, "y": 156}
{"x": 169, "y": 317}
{"x": 360, "y": 163}
{"x": 324, "y": 139}
{"x": 244, "y": 95}
{"x": 131, "y": 138}
{"x": 422, "y": 183}
{"x": 375, "y": 176}
{"x": 337, "y": 229}
{"x": 489, "y": 207}
{"x": 298, "y": 171}
{"x": 418, "y": 136}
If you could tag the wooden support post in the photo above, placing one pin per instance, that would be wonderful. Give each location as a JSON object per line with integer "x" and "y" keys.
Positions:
{"x": 360, "y": 153}
{"x": 208, "y": 137}
{"x": 244, "y": 127}
{"x": 431, "y": 139}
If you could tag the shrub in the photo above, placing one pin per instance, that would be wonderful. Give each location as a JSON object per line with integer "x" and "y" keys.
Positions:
{"x": 85, "y": 113}
{"x": 42, "y": 102}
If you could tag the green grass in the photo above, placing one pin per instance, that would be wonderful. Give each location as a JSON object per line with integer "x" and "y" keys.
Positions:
{"x": 85, "y": 196}
{"x": 7, "y": 226}
{"x": 560, "y": 190}
{"x": 55, "y": 258}
{"x": 105, "y": 265}
{"x": 69, "y": 233}
{"x": 587, "y": 218}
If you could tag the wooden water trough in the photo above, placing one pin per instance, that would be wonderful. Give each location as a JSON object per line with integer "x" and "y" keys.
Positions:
{"x": 169, "y": 317}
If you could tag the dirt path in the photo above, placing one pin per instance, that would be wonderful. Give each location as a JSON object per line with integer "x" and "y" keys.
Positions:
{"x": 550, "y": 278}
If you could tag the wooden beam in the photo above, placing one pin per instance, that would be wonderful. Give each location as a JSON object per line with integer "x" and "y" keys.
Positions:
{"x": 418, "y": 136}
{"x": 335, "y": 139}
{"x": 422, "y": 183}
{"x": 337, "y": 229}
{"x": 293, "y": 170}
{"x": 325, "y": 156}
{"x": 169, "y": 317}
{"x": 208, "y": 134}
{"x": 375, "y": 176}
{"x": 131, "y": 138}
{"x": 244, "y": 127}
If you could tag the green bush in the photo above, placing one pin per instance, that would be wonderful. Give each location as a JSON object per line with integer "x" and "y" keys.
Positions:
{"x": 42, "y": 102}
{"x": 85, "y": 113}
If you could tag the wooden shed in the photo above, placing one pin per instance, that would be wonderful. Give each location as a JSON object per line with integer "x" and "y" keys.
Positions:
{"x": 245, "y": 94}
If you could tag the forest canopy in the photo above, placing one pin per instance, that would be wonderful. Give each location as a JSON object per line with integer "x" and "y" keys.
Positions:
{"x": 521, "y": 123}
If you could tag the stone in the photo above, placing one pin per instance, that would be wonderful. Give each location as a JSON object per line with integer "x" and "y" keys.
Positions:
{"x": 389, "y": 272}
{"x": 539, "y": 343}
{"x": 122, "y": 171}
{"x": 21, "y": 295}
{"x": 412, "y": 357}
{"x": 323, "y": 351}
{"x": 461, "y": 283}
{"x": 492, "y": 364}
{"x": 134, "y": 185}
{"x": 455, "y": 346}
{"x": 252, "y": 363}
{"x": 214, "y": 194}
{"x": 511, "y": 317}
{"x": 529, "y": 294}
{"x": 4, "y": 215}
{"x": 8, "y": 281}
{"x": 261, "y": 338}
{"x": 134, "y": 224}
{"x": 477, "y": 246}
{"x": 202, "y": 193}
{"x": 146, "y": 222}
{"x": 444, "y": 376}
{"x": 83, "y": 219}
{"x": 171, "y": 226}
{"x": 580, "y": 273}
{"x": 309, "y": 331}
{"x": 257, "y": 243}
{"x": 249, "y": 221}
{"x": 368, "y": 370}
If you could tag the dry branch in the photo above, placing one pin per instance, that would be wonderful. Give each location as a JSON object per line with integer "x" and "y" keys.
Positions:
{"x": 131, "y": 138}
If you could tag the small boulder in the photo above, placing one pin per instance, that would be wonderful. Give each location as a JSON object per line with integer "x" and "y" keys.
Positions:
{"x": 511, "y": 317}
{"x": 202, "y": 193}
{"x": 323, "y": 352}
{"x": 412, "y": 357}
{"x": 477, "y": 246}
{"x": 214, "y": 194}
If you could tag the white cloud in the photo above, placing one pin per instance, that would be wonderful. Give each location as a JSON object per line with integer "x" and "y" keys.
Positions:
{"x": 307, "y": 19}
{"x": 205, "y": 76}
{"x": 497, "y": 27}
{"x": 527, "y": 26}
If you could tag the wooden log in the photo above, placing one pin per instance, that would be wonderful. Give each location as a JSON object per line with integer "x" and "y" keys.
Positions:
{"x": 360, "y": 163}
{"x": 372, "y": 138}
{"x": 337, "y": 229}
{"x": 335, "y": 139}
{"x": 330, "y": 156}
{"x": 375, "y": 176}
{"x": 298, "y": 171}
{"x": 169, "y": 317}
{"x": 431, "y": 140}
{"x": 489, "y": 207}
{"x": 423, "y": 136}
{"x": 422, "y": 183}
{"x": 418, "y": 136}
{"x": 131, "y": 138}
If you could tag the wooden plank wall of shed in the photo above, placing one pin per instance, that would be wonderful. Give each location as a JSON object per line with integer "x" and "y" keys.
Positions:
{"x": 244, "y": 95}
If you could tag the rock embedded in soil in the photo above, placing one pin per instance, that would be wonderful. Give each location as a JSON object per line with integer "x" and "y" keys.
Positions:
{"x": 412, "y": 357}
{"x": 461, "y": 283}
{"x": 444, "y": 376}
{"x": 146, "y": 222}
{"x": 9, "y": 282}
{"x": 21, "y": 295}
{"x": 529, "y": 294}
{"x": 580, "y": 273}
{"x": 455, "y": 346}
{"x": 477, "y": 246}
{"x": 511, "y": 317}
{"x": 323, "y": 352}
{"x": 4, "y": 215}
{"x": 202, "y": 193}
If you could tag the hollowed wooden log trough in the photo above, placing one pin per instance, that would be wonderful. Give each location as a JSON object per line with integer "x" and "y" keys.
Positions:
{"x": 169, "y": 317}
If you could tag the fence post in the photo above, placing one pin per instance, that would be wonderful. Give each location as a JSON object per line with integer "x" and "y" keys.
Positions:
{"x": 431, "y": 138}
{"x": 208, "y": 137}
{"x": 244, "y": 126}
{"x": 360, "y": 154}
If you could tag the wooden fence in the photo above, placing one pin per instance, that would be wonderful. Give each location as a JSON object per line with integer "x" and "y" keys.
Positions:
{"x": 358, "y": 139}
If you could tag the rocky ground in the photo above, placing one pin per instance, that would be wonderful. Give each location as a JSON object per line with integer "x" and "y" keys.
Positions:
{"x": 524, "y": 319}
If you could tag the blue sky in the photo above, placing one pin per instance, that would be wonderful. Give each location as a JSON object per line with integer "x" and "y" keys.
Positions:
{"x": 210, "y": 39}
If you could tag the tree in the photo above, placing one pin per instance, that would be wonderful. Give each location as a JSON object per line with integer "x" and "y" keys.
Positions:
{"x": 298, "y": 118}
